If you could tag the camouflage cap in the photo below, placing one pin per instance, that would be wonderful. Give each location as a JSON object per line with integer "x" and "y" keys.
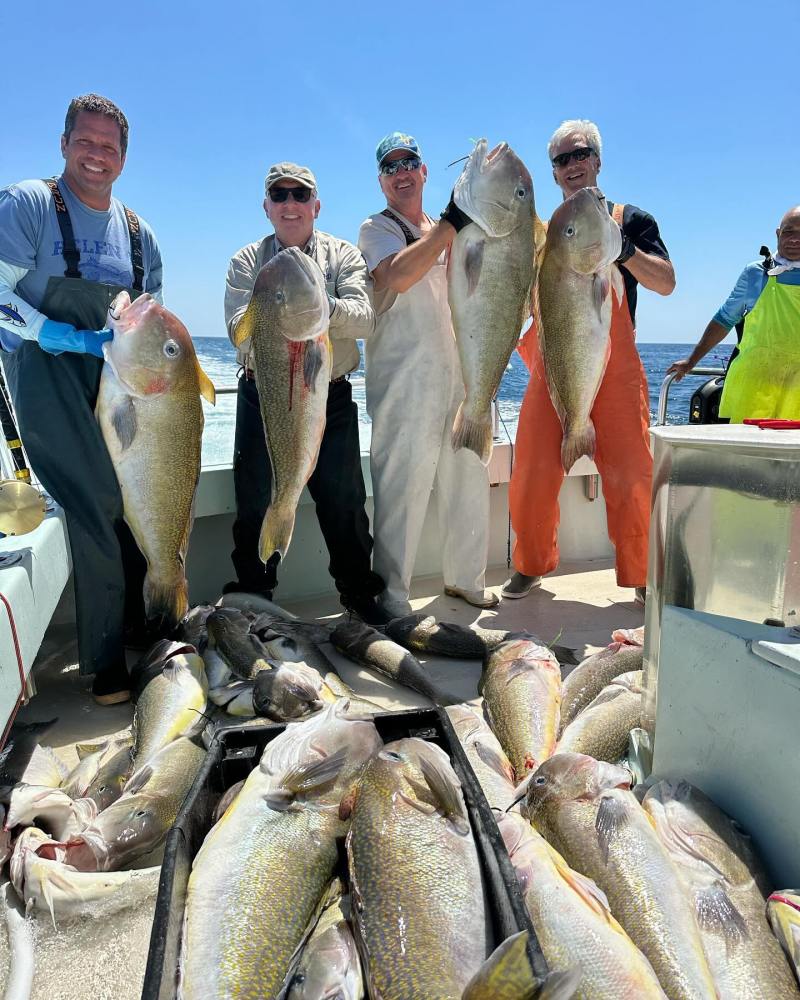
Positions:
{"x": 290, "y": 172}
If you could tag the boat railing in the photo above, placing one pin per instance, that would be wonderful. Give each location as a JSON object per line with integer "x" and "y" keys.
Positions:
{"x": 663, "y": 396}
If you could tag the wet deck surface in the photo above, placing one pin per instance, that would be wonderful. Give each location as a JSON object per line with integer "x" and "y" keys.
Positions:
{"x": 579, "y": 606}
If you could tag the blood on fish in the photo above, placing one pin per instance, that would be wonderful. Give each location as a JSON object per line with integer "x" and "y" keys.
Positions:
{"x": 295, "y": 361}
{"x": 155, "y": 386}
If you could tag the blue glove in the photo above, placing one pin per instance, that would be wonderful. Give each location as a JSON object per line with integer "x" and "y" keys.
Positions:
{"x": 57, "y": 337}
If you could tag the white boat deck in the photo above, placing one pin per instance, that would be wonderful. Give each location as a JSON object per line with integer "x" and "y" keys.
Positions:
{"x": 578, "y": 606}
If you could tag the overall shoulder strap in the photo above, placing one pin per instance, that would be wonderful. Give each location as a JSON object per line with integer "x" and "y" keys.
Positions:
{"x": 410, "y": 237}
{"x": 137, "y": 258}
{"x": 617, "y": 213}
{"x": 70, "y": 252}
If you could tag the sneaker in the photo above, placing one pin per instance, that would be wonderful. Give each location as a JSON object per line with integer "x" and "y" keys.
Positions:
{"x": 111, "y": 687}
{"x": 477, "y": 598}
{"x": 640, "y": 593}
{"x": 234, "y": 587}
{"x": 368, "y": 610}
{"x": 520, "y": 586}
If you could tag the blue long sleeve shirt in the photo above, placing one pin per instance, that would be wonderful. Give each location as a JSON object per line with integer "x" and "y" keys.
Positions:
{"x": 745, "y": 294}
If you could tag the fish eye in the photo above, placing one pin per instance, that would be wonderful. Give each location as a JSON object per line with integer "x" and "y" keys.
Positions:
{"x": 521, "y": 192}
{"x": 279, "y": 296}
{"x": 569, "y": 231}
{"x": 299, "y": 979}
{"x": 391, "y": 755}
{"x": 140, "y": 813}
{"x": 540, "y": 780}
{"x": 171, "y": 349}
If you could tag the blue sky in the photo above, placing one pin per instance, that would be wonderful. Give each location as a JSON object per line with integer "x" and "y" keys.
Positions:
{"x": 216, "y": 92}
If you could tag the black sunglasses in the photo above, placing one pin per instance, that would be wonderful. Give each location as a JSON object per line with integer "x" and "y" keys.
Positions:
{"x": 301, "y": 194}
{"x": 583, "y": 153}
{"x": 406, "y": 163}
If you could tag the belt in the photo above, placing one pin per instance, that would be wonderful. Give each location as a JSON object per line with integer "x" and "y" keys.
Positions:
{"x": 250, "y": 375}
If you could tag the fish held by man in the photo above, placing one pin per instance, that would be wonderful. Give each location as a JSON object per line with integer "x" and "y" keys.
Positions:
{"x": 490, "y": 275}
{"x": 151, "y": 419}
{"x": 287, "y": 324}
{"x": 576, "y": 280}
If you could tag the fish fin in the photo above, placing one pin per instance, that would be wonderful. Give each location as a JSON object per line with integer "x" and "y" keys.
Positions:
{"x": 577, "y": 443}
{"x": 589, "y": 891}
{"x": 312, "y": 362}
{"x": 565, "y": 654}
{"x": 244, "y": 328}
{"x": 507, "y": 975}
{"x": 601, "y": 286}
{"x": 517, "y": 668}
{"x": 123, "y": 420}
{"x": 445, "y": 794}
{"x": 716, "y": 914}
{"x": 539, "y": 237}
{"x": 166, "y": 601}
{"x": 612, "y": 817}
{"x": 491, "y": 758}
{"x": 48, "y": 898}
{"x": 617, "y": 283}
{"x": 276, "y": 533}
{"x": 472, "y": 433}
{"x": 304, "y": 778}
{"x": 473, "y": 263}
{"x": 138, "y": 780}
{"x": 207, "y": 390}
{"x": 85, "y": 749}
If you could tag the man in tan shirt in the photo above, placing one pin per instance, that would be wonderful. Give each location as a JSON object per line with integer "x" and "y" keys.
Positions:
{"x": 337, "y": 484}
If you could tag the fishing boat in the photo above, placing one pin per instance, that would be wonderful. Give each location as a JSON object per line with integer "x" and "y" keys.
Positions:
{"x": 722, "y": 657}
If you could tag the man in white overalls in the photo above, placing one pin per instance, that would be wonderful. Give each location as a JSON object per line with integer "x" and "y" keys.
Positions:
{"x": 414, "y": 386}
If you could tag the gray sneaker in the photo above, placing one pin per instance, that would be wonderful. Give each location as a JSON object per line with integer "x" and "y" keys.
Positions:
{"x": 520, "y": 586}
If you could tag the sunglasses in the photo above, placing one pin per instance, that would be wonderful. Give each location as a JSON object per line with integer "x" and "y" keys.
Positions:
{"x": 583, "y": 153}
{"x": 279, "y": 195}
{"x": 407, "y": 163}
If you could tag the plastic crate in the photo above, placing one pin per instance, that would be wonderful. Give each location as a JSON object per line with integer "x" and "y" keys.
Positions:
{"x": 235, "y": 751}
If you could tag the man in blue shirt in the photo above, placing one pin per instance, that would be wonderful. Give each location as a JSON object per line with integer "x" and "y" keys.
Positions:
{"x": 67, "y": 248}
{"x": 764, "y": 379}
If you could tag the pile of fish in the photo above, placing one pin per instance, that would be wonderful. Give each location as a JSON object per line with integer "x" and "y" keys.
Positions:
{"x": 90, "y": 840}
{"x": 663, "y": 897}
{"x": 273, "y": 910}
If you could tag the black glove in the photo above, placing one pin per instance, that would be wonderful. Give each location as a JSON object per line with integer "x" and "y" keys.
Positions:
{"x": 628, "y": 249}
{"x": 455, "y": 216}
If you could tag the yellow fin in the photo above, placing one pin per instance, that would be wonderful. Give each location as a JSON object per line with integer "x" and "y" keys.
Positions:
{"x": 207, "y": 390}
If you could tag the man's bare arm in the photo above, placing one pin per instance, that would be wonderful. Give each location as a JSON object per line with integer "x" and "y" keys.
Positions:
{"x": 652, "y": 272}
{"x": 405, "y": 268}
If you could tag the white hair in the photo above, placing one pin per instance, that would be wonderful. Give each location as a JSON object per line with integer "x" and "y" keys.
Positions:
{"x": 580, "y": 125}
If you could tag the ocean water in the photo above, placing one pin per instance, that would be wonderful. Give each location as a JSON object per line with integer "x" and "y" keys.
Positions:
{"x": 218, "y": 359}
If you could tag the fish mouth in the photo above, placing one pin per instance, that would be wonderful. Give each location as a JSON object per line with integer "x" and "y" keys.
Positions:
{"x": 495, "y": 154}
{"x": 87, "y": 852}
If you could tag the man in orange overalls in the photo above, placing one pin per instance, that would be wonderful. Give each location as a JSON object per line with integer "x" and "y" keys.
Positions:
{"x": 621, "y": 411}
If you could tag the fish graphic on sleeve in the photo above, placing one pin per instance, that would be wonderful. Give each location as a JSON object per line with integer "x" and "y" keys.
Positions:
{"x": 11, "y": 315}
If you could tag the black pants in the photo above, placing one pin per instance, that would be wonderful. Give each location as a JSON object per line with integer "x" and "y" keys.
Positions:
{"x": 54, "y": 398}
{"x": 336, "y": 486}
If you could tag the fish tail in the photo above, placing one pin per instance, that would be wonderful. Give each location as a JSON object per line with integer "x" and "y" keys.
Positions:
{"x": 576, "y": 443}
{"x": 473, "y": 433}
{"x": 276, "y": 532}
{"x": 166, "y": 600}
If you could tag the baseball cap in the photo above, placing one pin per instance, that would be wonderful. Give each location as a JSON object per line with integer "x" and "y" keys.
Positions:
{"x": 396, "y": 140}
{"x": 290, "y": 172}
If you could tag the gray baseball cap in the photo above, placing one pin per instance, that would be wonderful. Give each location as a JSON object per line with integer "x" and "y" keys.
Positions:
{"x": 290, "y": 172}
